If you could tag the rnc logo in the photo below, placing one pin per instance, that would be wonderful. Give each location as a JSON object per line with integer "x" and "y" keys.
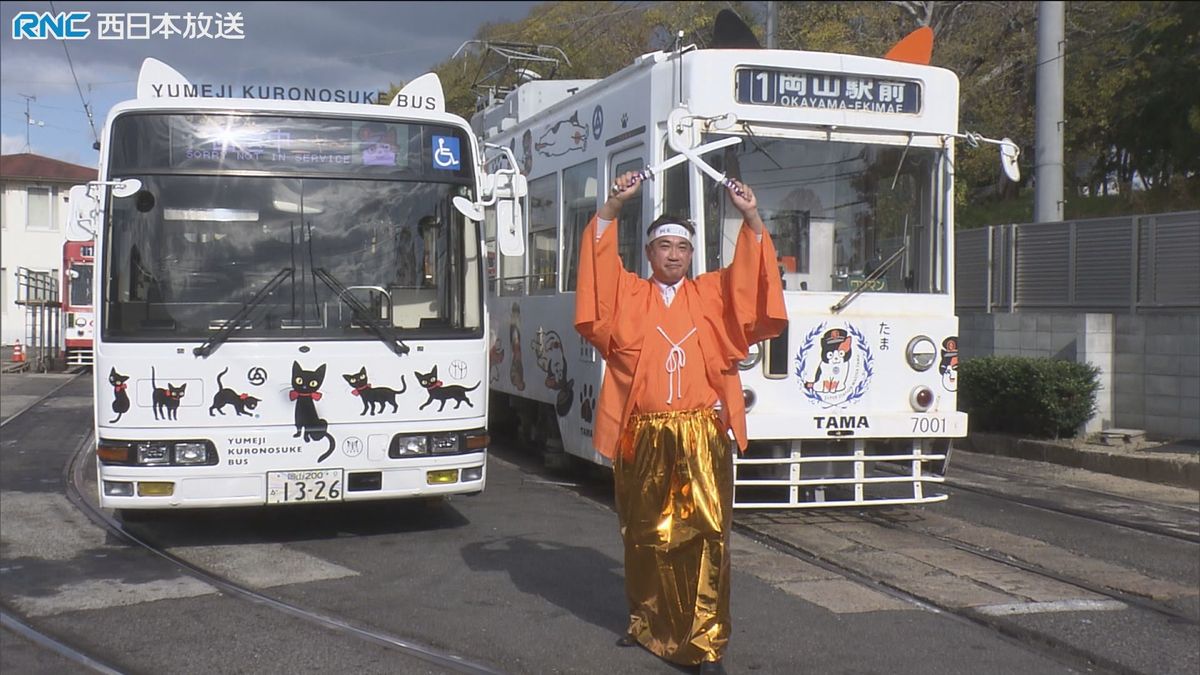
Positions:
{"x": 42, "y": 25}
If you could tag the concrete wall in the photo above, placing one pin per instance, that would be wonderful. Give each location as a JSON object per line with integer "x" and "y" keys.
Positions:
{"x": 22, "y": 245}
{"x": 1149, "y": 363}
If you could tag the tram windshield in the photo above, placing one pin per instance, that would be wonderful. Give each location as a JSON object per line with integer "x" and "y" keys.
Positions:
{"x": 81, "y": 285}
{"x": 843, "y": 216}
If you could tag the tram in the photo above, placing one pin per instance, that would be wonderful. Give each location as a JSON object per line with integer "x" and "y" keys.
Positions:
{"x": 78, "y": 316}
{"x": 852, "y": 161}
{"x": 290, "y": 298}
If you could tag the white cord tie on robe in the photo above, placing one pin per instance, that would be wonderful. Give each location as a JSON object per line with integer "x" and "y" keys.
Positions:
{"x": 676, "y": 360}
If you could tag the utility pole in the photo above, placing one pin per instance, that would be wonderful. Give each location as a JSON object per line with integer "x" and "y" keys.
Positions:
{"x": 1048, "y": 150}
{"x": 772, "y": 23}
{"x": 29, "y": 121}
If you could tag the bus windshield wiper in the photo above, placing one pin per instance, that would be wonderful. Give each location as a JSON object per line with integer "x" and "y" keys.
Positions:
{"x": 866, "y": 282}
{"x": 238, "y": 320}
{"x": 384, "y": 332}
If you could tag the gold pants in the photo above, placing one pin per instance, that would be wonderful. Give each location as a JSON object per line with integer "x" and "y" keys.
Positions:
{"x": 674, "y": 493}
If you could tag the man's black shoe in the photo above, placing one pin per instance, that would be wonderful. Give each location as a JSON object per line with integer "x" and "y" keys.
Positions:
{"x": 712, "y": 668}
{"x": 626, "y": 641}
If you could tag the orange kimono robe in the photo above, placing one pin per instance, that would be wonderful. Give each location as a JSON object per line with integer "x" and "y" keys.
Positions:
{"x": 617, "y": 311}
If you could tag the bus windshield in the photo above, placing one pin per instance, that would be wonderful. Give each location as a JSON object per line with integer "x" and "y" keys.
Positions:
{"x": 188, "y": 252}
{"x": 837, "y": 213}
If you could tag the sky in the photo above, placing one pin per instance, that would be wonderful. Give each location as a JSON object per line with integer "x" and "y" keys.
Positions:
{"x": 336, "y": 45}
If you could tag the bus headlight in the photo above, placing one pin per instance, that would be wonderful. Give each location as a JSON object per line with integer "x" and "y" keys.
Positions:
{"x": 153, "y": 454}
{"x": 191, "y": 453}
{"x": 403, "y": 446}
{"x": 444, "y": 443}
{"x": 174, "y": 453}
{"x": 920, "y": 353}
{"x": 753, "y": 356}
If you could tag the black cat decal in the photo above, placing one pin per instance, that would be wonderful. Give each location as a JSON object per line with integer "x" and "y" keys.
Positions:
{"x": 305, "y": 392}
{"x": 120, "y": 404}
{"x": 226, "y": 396}
{"x": 372, "y": 396}
{"x": 443, "y": 392}
{"x": 166, "y": 401}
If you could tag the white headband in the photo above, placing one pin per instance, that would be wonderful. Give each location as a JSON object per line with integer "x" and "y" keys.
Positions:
{"x": 670, "y": 230}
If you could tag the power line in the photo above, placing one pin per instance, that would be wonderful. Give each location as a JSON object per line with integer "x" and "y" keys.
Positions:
{"x": 87, "y": 110}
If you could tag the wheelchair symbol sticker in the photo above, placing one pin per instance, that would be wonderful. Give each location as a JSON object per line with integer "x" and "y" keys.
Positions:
{"x": 446, "y": 153}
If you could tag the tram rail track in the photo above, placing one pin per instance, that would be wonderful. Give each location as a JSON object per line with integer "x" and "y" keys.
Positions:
{"x": 1060, "y": 650}
{"x": 1047, "y": 505}
{"x": 1111, "y": 593}
{"x": 73, "y": 480}
{"x": 1067, "y": 654}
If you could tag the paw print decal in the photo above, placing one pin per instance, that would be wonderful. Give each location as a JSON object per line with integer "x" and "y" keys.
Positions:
{"x": 587, "y": 403}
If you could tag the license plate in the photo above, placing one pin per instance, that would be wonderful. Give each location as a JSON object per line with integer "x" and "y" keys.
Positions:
{"x": 311, "y": 485}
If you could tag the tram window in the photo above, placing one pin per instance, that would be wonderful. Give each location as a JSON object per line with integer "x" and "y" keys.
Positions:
{"x": 629, "y": 221}
{"x": 543, "y": 233}
{"x": 81, "y": 285}
{"x": 579, "y": 203}
{"x": 677, "y": 200}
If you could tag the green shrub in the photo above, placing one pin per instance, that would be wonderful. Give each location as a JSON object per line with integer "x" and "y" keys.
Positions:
{"x": 1038, "y": 397}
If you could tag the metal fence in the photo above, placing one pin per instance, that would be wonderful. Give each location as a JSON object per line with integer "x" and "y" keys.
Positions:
{"x": 37, "y": 292}
{"x": 1123, "y": 264}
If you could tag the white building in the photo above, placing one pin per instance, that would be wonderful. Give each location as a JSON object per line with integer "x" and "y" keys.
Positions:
{"x": 33, "y": 216}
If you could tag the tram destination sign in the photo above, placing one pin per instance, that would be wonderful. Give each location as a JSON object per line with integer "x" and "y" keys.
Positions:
{"x": 802, "y": 89}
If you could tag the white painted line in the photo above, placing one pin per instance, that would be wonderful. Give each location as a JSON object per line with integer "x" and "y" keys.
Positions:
{"x": 262, "y": 565}
{"x": 107, "y": 593}
{"x": 1056, "y": 606}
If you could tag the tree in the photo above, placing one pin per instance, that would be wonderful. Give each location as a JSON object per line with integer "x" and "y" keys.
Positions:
{"x": 1131, "y": 103}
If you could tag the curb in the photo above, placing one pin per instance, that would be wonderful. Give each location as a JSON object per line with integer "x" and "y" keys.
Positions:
{"x": 1182, "y": 470}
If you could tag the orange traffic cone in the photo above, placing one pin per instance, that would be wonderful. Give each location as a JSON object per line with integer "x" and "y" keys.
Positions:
{"x": 18, "y": 353}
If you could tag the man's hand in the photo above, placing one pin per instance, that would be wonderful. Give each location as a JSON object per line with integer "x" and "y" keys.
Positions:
{"x": 747, "y": 204}
{"x": 622, "y": 190}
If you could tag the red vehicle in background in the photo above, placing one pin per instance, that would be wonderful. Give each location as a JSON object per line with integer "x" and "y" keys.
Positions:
{"x": 78, "y": 313}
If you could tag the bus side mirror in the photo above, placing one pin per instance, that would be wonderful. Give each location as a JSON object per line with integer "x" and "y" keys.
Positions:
{"x": 84, "y": 214}
{"x": 511, "y": 186}
{"x": 510, "y": 235}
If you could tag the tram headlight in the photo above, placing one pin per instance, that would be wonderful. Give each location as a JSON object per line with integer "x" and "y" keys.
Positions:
{"x": 920, "y": 353}
{"x": 753, "y": 356}
{"x": 404, "y": 446}
{"x": 749, "y": 398}
{"x": 921, "y": 398}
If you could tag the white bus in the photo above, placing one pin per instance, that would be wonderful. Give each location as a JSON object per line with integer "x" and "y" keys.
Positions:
{"x": 289, "y": 305}
{"x": 852, "y": 162}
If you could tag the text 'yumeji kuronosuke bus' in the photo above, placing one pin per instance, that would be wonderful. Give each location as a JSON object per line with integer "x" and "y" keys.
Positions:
{"x": 290, "y": 305}
{"x": 851, "y": 159}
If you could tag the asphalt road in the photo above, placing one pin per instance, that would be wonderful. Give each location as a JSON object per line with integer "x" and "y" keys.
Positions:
{"x": 526, "y": 578}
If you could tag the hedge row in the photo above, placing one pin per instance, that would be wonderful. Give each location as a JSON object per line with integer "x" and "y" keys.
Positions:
{"x": 1037, "y": 397}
